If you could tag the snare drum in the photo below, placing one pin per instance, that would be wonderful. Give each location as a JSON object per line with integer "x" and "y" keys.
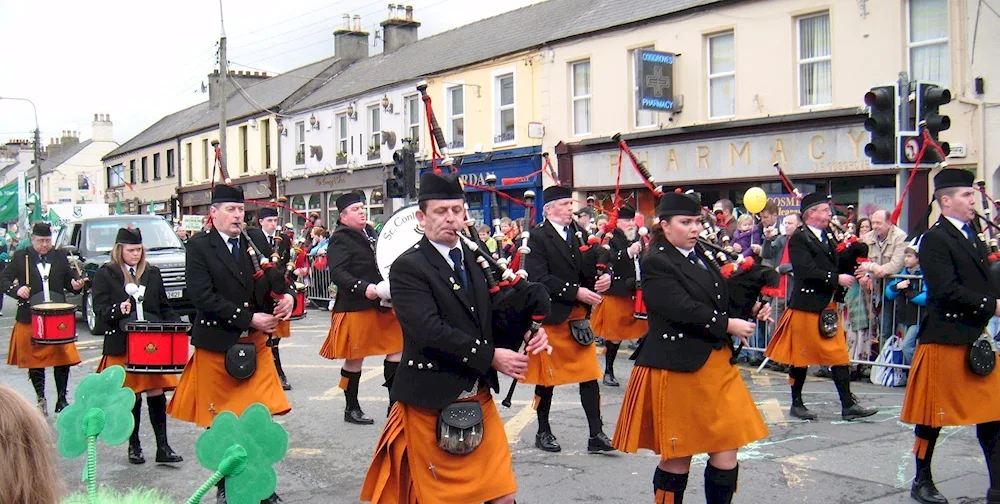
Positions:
{"x": 300, "y": 302}
{"x": 640, "y": 306}
{"x": 156, "y": 347}
{"x": 53, "y": 323}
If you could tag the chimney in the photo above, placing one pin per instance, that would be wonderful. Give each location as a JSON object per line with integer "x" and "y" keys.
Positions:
{"x": 349, "y": 42}
{"x": 68, "y": 138}
{"x": 101, "y": 129}
{"x": 398, "y": 30}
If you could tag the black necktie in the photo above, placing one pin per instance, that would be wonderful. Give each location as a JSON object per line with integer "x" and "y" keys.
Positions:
{"x": 969, "y": 233}
{"x": 566, "y": 233}
{"x": 270, "y": 241}
{"x": 41, "y": 260}
{"x": 131, "y": 271}
{"x": 456, "y": 257}
{"x": 234, "y": 243}
{"x": 693, "y": 257}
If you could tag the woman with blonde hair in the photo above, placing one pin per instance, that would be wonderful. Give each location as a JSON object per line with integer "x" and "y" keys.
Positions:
{"x": 26, "y": 448}
{"x": 114, "y": 306}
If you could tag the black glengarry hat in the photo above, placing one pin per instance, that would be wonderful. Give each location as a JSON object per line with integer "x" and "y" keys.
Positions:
{"x": 267, "y": 212}
{"x": 129, "y": 236}
{"x": 226, "y": 194}
{"x": 346, "y": 200}
{"x": 438, "y": 187}
{"x": 676, "y": 204}
{"x": 554, "y": 193}
{"x": 812, "y": 199}
{"x": 626, "y": 212}
{"x": 41, "y": 229}
{"x": 953, "y": 177}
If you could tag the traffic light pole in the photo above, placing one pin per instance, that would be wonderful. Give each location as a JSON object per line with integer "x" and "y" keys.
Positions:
{"x": 904, "y": 121}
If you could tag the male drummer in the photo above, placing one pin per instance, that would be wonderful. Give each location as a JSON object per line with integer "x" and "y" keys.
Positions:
{"x": 220, "y": 277}
{"x": 42, "y": 262}
{"x": 281, "y": 253}
{"x": 557, "y": 262}
{"x": 614, "y": 318}
{"x": 444, "y": 307}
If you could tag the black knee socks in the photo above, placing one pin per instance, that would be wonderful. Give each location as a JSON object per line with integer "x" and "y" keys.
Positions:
{"x": 353, "y": 379}
{"x": 37, "y": 377}
{"x": 62, "y": 381}
{"x": 989, "y": 438}
{"x": 842, "y": 379}
{"x": 389, "y": 373}
{"x": 158, "y": 418}
{"x": 277, "y": 357}
{"x": 720, "y": 484}
{"x": 798, "y": 376}
{"x": 590, "y": 398}
{"x": 610, "y": 352}
{"x": 668, "y": 488}
{"x": 136, "y": 416}
{"x": 923, "y": 449}
{"x": 544, "y": 395}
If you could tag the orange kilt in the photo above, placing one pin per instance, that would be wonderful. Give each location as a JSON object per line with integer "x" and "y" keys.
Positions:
{"x": 407, "y": 448}
{"x": 206, "y": 389}
{"x": 139, "y": 382}
{"x": 26, "y": 355}
{"x": 797, "y": 341}
{"x": 570, "y": 361}
{"x": 941, "y": 389}
{"x": 355, "y": 335}
{"x": 614, "y": 319}
{"x": 283, "y": 330}
{"x": 677, "y": 414}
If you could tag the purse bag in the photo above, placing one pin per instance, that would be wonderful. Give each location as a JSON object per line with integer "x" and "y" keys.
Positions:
{"x": 241, "y": 360}
{"x": 981, "y": 358}
{"x": 460, "y": 427}
{"x": 581, "y": 331}
{"x": 829, "y": 323}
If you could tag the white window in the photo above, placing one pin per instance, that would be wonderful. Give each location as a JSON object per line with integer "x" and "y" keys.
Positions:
{"x": 503, "y": 127}
{"x": 374, "y": 131}
{"x": 413, "y": 118}
{"x": 721, "y": 75}
{"x": 116, "y": 175}
{"x": 643, "y": 118}
{"x": 341, "y": 137}
{"x": 300, "y": 143}
{"x": 456, "y": 116}
{"x": 928, "y": 44}
{"x": 815, "y": 61}
{"x": 580, "y": 75}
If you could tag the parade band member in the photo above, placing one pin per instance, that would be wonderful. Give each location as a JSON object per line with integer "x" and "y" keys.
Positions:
{"x": 614, "y": 317}
{"x": 797, "y": 339}
{"x": 444, "y": 308}
{"x": 39, "y": 258}
{"x": 220, "y": 280}
{"x": 557, "y": 262}
{"x": 685, "y": 395}
{"x": 360, "y": 326}
{"x": 113, "y": 306}
{"x": 943, "y": 389}
{"x": 281, "y": 249}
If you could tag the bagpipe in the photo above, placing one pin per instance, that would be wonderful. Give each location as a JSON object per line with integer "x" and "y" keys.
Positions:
{"x": 988, "y": 234}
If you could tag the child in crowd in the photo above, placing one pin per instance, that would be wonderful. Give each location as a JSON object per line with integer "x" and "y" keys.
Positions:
{"x": 745, "y": 235}
{"x": 484, "y": 236}
{"x": 915, "y": 291}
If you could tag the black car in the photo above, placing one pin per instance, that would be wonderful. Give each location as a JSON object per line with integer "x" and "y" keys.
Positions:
{"x": 91, "y": 239}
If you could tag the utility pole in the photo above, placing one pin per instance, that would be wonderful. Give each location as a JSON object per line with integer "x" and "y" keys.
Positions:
{"x": 223, "y": 83}
{"x": 38, "y": 164}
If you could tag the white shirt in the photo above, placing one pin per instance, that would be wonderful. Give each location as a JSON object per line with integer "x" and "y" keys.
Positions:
{"x": 684, "y": 252}
{"x": 226, "y": 239}
{"x": 559, "y": 229}
{"x": 816, "y": 231}
{"x": 445, "y": 249}
{"x": 958, "y": 225}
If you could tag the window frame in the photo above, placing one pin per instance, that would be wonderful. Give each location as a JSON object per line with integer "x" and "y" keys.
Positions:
{"x": 131, "y": 171}
{"x": 156, "y": 166}
{"x": 722, "y": 75}
{"x": 808, "y": 61}
{"x": 910, "y": 45}
{"x": 588, "y": 97}
{"x": 499, "y": 108}
{"x": 342, "y": 136}
{"x": 189, "y": 151}
{"x": 265, "y": 131}
{"x": 144, "y": 169}
{"x": 244, "y": 140}
{"x": 411, "y": 103}
{"x": 119, "y": 170}
{"x": 451, "y": 117}
{"x": 373, "y": 115}
{"x": 300, "y": 143}
{"x": 170, "y": 163}
{"x": 636, "y": 111}
{"x": 204, "y": 148}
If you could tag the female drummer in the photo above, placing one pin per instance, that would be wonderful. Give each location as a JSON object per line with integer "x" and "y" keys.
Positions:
{"x": 685, "y": 396}
{"x": 111, "y": 305}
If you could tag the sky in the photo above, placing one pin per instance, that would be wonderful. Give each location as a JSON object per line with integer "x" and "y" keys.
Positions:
{"x": 139, "y": 61}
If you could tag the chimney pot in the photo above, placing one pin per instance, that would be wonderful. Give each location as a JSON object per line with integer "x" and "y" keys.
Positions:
{"x": 263, "y": 74}
{"x": 107, "y": 117}
{"x": 347, "y": 21}
{"x": 409, "y": 13}
{"x": 95, "y": 117}
{"x": 357, "y": 22}
{"x": 392, "y": 11}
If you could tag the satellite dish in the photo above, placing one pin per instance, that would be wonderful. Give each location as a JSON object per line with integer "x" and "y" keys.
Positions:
{"x": 389, "y": 139}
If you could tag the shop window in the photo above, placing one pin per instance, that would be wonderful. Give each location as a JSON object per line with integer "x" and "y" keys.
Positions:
{"x": 314, "y": 203}
{"x": 332, "y": 214}
{"x": 721, "y": 75}
{"x": 298, "y": 203}
{"x": 580, "y": 75}
{"x": 928, "y": 41}
{"x": 475, "y": 200}
{"x": 815, "y": 61}
{"x": 376, "y": 208}
{"x": 643, "y": 118}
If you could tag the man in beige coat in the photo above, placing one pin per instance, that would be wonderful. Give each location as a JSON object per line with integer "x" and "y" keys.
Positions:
{"x": 886, "y": 244}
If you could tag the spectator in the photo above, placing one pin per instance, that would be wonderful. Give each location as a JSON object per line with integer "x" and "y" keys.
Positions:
{"x": 915, "y": 291}
{"x": 886, "y": 244}
{"x": 723, "y": 211}
{"x": 26, "y": 447}
{"x": 484, "y": 236}
{"x": 769, "y": 233}
{"x": 600, "y": 222}
{"x": 584, "y": 218}
{"x": 511, "y": 244}
{"x": 745, "y": 236}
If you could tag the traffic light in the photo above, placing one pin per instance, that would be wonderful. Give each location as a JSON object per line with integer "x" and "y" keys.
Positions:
{"x": 394, "y": 189}
{"x": 930, "y": 98}
{"x": 881, "y": 123}
{"x": 409, "y": 173}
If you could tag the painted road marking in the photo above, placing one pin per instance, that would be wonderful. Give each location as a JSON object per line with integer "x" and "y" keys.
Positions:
{"x": 336, "y": 392}
{"x": 515, "y": 425}
{"x": 305, "y": 451}
{"x": 772, "y": 411}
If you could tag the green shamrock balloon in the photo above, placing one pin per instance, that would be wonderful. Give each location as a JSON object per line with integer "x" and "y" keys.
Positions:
{"x": 101, "y": 408}
{"x": 244, "y": 450}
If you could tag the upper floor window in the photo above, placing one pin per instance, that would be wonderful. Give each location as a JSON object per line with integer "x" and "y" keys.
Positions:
{"x": 374, "y": 131}
{"x": 456, "y": 116}
{"x": 300, "y": 143}
{"x": 341, "y": 138}
{"x": 503, "y": 128}
{"x": 413, "y": 118}
{"x": 722, "y": 75}
{"x": 156, "y": 166}
{"x": 815, "y": 60}
{"x": 189, "y": 161}
{"x": 642, "y": 118}
{"x": 204, "y": 150}
{"x": 580, "y": 76}
{"x": 116, "y": 176}
{"x": 928, "y": 43}
{"x": 170, "y": 163}
{"x": 145, "y": 169}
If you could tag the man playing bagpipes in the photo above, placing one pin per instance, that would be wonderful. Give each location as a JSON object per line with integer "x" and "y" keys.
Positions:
{"x": 281, "y": 253}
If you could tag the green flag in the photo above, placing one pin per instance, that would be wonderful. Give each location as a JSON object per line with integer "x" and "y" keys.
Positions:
{"x": 53, "y": 218}
{"x": 8, "y": 202}
{"x": 118, "y": 208}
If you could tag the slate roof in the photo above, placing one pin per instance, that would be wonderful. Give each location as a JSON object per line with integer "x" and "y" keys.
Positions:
{"x": 64, "y": 154}
{"x": 169, "y": 127}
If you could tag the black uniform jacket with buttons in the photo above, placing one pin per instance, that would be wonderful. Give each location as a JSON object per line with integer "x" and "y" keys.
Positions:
{"x": 960, "y": 297}
{"x": 622, "y": 266}
{"x": 814, "y": 264}
{"x": 109, "y": 293}
{"x": 560, "y": 266}
{"x": 282, "y": 248}
{"x": 686, "y": 304}
{"x": 447, "y": 329}
{"x": 60, "y": 277}
{"x": 351, "y": 261}
{"x": 221, "y": 290}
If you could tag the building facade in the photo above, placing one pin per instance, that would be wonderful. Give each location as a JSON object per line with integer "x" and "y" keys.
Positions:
{"x": 72, "y": 170}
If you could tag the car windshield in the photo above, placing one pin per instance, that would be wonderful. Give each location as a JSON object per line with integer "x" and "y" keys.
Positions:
{"x": 156, "y": 234}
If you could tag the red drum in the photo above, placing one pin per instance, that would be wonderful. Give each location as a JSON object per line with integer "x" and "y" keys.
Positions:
{"x": 53, "y": 323}
{"x": 156, "y": 347}
{"x": 640, "y": 306}
{"x": 300, "y": 302}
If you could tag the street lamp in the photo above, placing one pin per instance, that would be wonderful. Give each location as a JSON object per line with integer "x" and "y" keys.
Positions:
{"x": 38, "y": 141}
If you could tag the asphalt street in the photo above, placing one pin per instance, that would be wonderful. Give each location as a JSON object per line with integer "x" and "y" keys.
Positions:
{"x": 827, "y": 461}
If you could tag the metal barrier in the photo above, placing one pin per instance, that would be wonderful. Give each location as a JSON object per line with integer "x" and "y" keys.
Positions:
{"x": 320, "y": 286}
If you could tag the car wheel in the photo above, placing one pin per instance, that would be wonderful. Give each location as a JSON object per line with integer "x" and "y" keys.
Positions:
{"x": 88, "y": 310}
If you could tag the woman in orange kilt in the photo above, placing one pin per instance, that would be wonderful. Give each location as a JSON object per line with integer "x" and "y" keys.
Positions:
{"x": 113, "y": 306}
{"x": 360, "y": 327}
{"x": 685, "y": 395}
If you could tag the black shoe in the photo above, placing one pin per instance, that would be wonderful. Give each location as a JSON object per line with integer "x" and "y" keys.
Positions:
{"x": 61, "y": 404}
{"x": 633, "y": 345}
{"x": 545, "y": 441}
{"x": 755, "y": 361}
{"x": 926, "y": 492}
{"x": 599, "y": 443}
{"x": 284, "y": 383}
{"x": 273, "y": 499}
{"x": 135, "y": 454}
{"x": 801, "y": 412}
{"x": 43, "y": 407}
{"x": 166, "y": 455}
{"x": 220, "y": 494}
{"x": 856, "y": 411}
{"x": 609, "y": 379}
{"x": 822, "y": 372}
{"x": 356, "y": 416}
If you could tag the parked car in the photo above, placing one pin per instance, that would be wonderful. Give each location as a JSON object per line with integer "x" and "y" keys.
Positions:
{"x": 91, "y": 239}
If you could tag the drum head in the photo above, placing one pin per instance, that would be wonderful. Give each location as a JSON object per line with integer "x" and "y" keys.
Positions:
{"x": 400, "y": 232}
{"x": 54, "y": 297}
{"x": 52, "y": 307}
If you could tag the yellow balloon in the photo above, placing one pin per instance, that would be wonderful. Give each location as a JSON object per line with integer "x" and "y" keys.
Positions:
{"x": 754, "y": 200}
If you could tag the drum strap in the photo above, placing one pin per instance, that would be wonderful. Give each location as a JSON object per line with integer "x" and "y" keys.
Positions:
{"x": 44, "y": 269}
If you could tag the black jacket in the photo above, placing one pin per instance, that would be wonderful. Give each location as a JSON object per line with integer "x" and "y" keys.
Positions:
{"x": 221, "y": 291}
{"x": 622, "y": 266}
{"x": 282, "y": 248}
{"x": 687, "y": 311}
{"x": 560, "y": 266}
{"x": 960, "y": 297}
{"x": 351, "y": 262}
{"x": 109, "y": 293}
{"x": 60, "y": 278}
{"x": 447, "y": 332}
{"x": 814, "y": 264}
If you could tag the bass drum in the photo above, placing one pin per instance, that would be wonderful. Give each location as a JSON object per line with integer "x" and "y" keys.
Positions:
{"x": 399, "y": 233}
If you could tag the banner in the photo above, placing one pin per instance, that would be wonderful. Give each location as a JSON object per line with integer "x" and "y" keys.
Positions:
{"x": 191, "y": 222}
{"x": 8, "y": 202}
